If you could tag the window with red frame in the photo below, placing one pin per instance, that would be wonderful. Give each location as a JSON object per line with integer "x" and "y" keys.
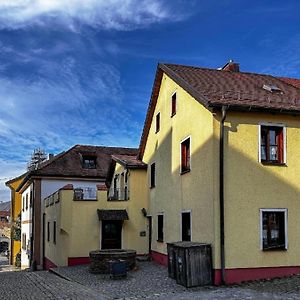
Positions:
{"x": 173, "y": 105}
{"x": 185, "y": 155}
{"x": 272, "y": 144}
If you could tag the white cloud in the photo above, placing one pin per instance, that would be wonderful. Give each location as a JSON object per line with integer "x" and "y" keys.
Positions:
{"x": 103, "y": 14}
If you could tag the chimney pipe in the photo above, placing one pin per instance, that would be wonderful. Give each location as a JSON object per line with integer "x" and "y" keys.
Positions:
{"x": 231, "y": 66}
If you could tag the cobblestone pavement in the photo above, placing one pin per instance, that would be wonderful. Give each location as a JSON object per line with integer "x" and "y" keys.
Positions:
{"x": 40, "y": 285}
{"x": 4, "y": 265}
{"x": 150, "y": 281}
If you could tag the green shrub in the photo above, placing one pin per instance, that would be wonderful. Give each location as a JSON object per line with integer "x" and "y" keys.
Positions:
{"x": 18, "y": 260}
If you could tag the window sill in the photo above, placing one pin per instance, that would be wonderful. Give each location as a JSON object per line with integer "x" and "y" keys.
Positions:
{"x": 85, "y": 200}
{"x": 152, "y": 187}
{"x": 273, "y": 163}
{"x": 160, "y": 241}
{"x": 172, "y": 115}
{"x": 274, "y": 249}
{"x": 185, "y": 171}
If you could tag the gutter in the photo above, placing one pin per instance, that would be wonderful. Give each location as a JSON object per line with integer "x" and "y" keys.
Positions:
{"x": 221, "y": 174}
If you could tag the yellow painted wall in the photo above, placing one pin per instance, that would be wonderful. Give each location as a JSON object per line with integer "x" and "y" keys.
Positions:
{"x": 250, "y": 186}
{"x": 16, "y": 204}
{"x": 131, "y": 238}
{"x": 174, "y": 192}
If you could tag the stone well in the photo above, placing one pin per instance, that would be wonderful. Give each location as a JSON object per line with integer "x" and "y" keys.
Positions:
{"x": 100, "y": 259}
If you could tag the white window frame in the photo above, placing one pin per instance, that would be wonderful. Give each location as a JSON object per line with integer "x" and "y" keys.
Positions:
{"x": 191, "y": 222}
{"x": 284, "y": 138}
{"x": 285, "y": 210}
{"x": 188, "y": 137}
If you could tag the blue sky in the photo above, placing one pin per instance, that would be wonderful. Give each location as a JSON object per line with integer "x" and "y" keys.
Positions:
{"x": 74, "y": 73}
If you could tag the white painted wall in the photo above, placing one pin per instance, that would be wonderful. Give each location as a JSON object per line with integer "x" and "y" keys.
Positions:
{"x": 26, "y": 217}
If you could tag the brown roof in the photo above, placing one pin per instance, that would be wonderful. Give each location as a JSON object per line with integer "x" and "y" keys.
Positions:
{"x": 237, "y": 90}
{"x": 112, "y": 214}
{"x": 293, "y": 81}
{"x": 129, "y": 161}
{"x": 69, "y": 163}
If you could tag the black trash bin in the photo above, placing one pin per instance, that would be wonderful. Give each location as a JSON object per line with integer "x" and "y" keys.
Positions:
{"x": 193, "y": 263}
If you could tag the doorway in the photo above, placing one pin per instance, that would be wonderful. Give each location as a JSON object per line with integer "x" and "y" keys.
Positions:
{"x": 111, "y": 234}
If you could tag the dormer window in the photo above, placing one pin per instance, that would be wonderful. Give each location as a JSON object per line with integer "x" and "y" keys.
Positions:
{"x": 272, "y": 88}
{"x": 89, "y": 162}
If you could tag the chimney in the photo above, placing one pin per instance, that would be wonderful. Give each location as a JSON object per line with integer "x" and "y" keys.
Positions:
{"x": 50, "y": 156}
{"x": 231, "y": 66}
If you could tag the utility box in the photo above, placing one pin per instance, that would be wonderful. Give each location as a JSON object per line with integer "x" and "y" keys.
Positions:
{"x": 193, "y": 265}
{"x": 171, "y": 261}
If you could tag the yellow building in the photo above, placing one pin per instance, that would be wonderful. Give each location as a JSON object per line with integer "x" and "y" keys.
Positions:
{"x": 79, "y": 220}
{"x": 223, "y": 168}
{"x": 15, "y": 212}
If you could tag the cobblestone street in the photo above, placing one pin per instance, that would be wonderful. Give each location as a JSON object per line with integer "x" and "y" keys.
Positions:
{"x": 150, "y": 281}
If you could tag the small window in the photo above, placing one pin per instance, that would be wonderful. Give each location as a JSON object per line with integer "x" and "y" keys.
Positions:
{"x": 54, "y": 232}
{"x": 173, "y": 105}
{"x": 24, "y": 241}
{"x": 185, "y": 156}
{"x": 186, "y": 226}
{"x": 26, "y": 201}
{"x": 30, "y": 198}
{"x": 157, "y": 128}
{"x": 23, "y": 203}
{"x": 78, "y": 194}
{"x": 48, "y": 232}
{"x": 273, "y": 226}
{"x": 160, "y": 228}
{"x": 152, "y": 175}
{"x": 89, "y": 162}
{"x": 272, "y": 144}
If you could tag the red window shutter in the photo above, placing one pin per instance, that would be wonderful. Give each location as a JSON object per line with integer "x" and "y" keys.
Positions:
{"x": 280, "y": 145}
{"x": 183, "y": 157}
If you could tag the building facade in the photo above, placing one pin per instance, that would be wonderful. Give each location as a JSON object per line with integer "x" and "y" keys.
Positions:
{"x": 220, "y": 146}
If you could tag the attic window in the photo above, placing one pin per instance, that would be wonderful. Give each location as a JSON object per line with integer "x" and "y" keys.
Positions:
{"x": 272, "y": 88}
{"x": 89, "y": 162}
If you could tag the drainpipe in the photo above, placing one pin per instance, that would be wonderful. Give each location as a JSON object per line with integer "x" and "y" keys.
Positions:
{"x": 222, "y": 234}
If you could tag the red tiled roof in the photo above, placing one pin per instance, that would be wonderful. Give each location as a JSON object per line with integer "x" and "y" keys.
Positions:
{"x": 129, "y": 161}
{"x": 69, "y": 163}
{"x": 215, "y": 88}
{"x": 293, "y": 81}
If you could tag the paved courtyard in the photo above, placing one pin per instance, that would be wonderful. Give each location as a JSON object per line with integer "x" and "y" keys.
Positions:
{"x": 150, "y": 281}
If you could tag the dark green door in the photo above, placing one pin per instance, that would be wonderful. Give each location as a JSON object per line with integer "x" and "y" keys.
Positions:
{"x": 111, "y": 234}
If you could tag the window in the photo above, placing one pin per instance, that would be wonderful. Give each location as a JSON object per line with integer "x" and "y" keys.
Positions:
{"x": 173, "y": 105}
{"x": 186, "y": 226}
{"x": 160, "y": 228}
{"x": 30, "y": 198}
{"x": 26, "y": 201}
{"x": 272, "y": 144}
{"x": 89, "y": 162}
{"x": 24, "y": 241}
{"x": 78, "y": 194}
{"x": 48, "y": 232}
{"x": 185, "y": 156}
{"x": 273, "y": 229}
{"x": 23, "y": 203}
{"x": 152, "y": 175}
{"x": 54, "y": 232}
{"x": 157, "y": 128}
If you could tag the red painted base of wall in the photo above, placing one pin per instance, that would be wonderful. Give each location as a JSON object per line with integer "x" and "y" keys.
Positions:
{"x": 239, "y": 275}
{"x": 48, "y": 264}
{"x": 160, "y": 258}
{"x": 74, "y": 261}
